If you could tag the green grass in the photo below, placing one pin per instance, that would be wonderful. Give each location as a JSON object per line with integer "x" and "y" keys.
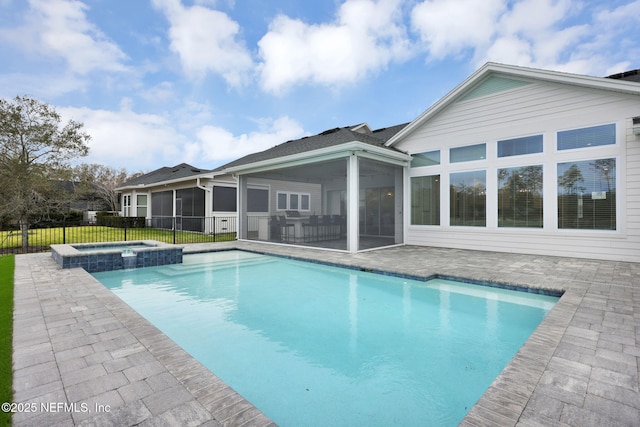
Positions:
{"x": 44, "y": 237}
{"x": 6, "y": 334}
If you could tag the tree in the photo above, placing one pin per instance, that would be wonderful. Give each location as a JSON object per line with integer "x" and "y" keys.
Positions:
{"x": 35, "y": 151}
{"x": 103, "y": 181}
{"x": 570, "y": 180}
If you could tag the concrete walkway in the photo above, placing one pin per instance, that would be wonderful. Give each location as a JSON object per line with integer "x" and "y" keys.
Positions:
{"x": 83, "y": 357}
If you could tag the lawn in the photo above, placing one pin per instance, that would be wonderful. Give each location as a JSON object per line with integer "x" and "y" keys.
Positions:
{"x": 6, "y": 333}
{"x": 42, "y": 238}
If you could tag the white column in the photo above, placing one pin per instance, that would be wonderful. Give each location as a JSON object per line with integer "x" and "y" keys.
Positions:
{"x": 243, "y": 222}
{"x": 353, "y": 201}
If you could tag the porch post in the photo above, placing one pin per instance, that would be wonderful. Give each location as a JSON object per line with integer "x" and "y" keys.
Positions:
{"x": 353, "y": 201}
{"x": 242, "y": 207}
{"x": 398, "y": 196}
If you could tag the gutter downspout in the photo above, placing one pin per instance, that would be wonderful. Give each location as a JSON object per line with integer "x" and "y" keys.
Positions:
{"x": 208, "y": 227}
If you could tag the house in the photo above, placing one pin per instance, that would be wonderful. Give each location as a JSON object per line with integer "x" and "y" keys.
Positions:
{"x": 341, "y": 189}
{"x": 513, "y": 159}
{"x": 182, "y": 197}
{"x": 531, "y": 161}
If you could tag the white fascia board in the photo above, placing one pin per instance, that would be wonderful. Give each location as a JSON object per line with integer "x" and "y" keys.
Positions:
{"x": 489, "y": 68}
{"x": 209, "y": 175}
{"x": 319, "y": 155}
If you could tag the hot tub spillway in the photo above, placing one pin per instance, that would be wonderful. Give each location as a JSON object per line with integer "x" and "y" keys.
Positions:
{"x": 129, "y": 259}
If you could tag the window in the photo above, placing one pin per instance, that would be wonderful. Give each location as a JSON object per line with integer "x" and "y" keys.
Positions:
{"x": 520, "y": 146}
{"x": 162, "y": 204}
{"x": 257, "y": 200}
{"x": 468, "y": 153}
{"x": 587, "y": 195}
{"x": 141, "y": 205}
{"x": 282, "y": 204}
{"x": 425, "y": 200}
{"x": 304, "y": 202}
{"x": 224, "y": 199}
{"x": 587, "y": 137}
{"x": 425, "y": 159}
{"x": 468, "y": 199}
{"x": 520, "y": 197}
{"x": 293, "y": 202}
{"x": 126, "y": 205}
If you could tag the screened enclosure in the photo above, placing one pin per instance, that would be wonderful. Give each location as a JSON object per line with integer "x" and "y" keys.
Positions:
{"x": 349, "y": 203}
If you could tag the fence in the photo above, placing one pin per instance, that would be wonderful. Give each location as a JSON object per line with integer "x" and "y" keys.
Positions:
{"x": 177, "y": 230}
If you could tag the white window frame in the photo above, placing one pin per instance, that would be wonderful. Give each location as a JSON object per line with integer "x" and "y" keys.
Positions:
{"x": 289, "y": 195}
{"x": 139, "y": 206}
{"x": 126, "y": 205}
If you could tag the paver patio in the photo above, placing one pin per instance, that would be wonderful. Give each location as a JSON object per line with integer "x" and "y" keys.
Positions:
{"x": 84, "y": 357}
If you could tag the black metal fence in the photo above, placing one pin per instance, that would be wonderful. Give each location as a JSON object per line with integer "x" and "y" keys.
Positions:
{"x": 177, "y": 230}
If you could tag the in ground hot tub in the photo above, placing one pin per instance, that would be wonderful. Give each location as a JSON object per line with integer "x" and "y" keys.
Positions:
{"x": 109, "y": 256}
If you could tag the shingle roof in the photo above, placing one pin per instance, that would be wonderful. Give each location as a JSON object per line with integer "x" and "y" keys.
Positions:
{"x": 631, "y": 76}
{"x": 328, "y": 138}
{"x": 182, "y": 170}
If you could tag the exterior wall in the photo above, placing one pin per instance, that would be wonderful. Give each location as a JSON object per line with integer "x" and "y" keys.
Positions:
{"x": 536, "y": 108}
{"x": 276, "y": 186}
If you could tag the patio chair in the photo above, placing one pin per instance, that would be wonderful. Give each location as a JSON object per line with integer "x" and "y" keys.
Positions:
{"x": 287, "y": 231}
{"x": 326, "y": 227}
{"x": 310, "y": 229}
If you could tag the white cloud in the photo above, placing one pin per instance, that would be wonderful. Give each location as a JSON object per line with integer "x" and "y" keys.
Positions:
{"x": 219, "y": 144}
{"x": 206, "y": 40}
{"x": 60, "y": 29}
{"x": 538, "y": 33}
{"x": 127, "y": 139}
{"x": 450, "y": 27}
{"x": 137, "y": 141}
{"x": 366, "y": 36}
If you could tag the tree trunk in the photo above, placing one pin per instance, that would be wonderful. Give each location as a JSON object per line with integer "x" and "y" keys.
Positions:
{"x": 24, "y": 229}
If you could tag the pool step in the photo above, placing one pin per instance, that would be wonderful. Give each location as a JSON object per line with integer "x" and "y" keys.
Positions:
{"x": 193, "y": 267}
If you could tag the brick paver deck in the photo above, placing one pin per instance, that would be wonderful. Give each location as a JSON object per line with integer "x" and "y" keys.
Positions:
{"x": 84, "y": 357}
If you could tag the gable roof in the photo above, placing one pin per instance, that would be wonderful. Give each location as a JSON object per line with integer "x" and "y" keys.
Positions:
{"x": 493, "y": 77}
{"x": 329, "y": 138}
{"x": 183, "y": 170}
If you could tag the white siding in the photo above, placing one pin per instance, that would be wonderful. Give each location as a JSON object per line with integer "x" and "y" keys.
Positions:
{"x": 539, "y": 108}
{"x": 275, "y": 186}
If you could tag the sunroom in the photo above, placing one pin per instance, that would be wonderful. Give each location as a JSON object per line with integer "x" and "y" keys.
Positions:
{"x": 340, "y": 190}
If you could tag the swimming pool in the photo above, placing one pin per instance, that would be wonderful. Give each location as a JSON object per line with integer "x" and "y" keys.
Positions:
{"x": 310, "y": 344}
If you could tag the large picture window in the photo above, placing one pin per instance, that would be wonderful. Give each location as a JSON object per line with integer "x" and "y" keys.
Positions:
{"x": 468, "y": 205}
{"x": 425, "y": 200}
{"x": 520, "y": 197}
{"x": 587, "y": 194}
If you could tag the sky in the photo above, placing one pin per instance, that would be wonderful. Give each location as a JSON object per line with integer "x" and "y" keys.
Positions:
{"x": 161, "y": 82}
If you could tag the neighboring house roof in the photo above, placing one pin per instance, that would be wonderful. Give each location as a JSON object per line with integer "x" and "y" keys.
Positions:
{"x": 492, "y": 77}
{"x": 183, "y": 170}
{"x": 329, "y": 138}
{"x": 632, "y": 76}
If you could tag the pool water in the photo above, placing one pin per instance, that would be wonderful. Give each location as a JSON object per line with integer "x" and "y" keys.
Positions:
{"x": 310, "y": 344}
{"x": 105, "y": 247}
